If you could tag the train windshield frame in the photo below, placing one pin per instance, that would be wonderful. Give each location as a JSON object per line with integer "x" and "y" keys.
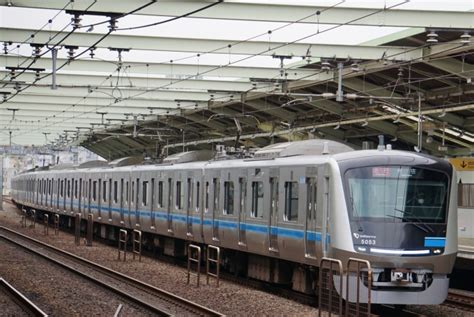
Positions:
{"x": 397, "y": 193}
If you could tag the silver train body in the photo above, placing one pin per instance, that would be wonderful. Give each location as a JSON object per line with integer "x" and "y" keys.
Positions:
{"x": 284, "y": 209}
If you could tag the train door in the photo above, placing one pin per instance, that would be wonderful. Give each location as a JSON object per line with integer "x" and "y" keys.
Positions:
{"x": 310, "y": 223}
{"x": 322, "y": 211}
{"x": 242, "y": 209}
{"x": 273, "y": 215}
{"x": 144, "y": 198}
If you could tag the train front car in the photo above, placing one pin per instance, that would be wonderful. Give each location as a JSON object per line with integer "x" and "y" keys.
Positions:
{"x": 401, "y": 215}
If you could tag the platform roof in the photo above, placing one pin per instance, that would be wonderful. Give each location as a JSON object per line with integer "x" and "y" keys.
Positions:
{"x": 136, "y": 77}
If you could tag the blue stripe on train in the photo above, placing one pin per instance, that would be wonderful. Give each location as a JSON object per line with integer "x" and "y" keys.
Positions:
{"x": 228, "y": 224}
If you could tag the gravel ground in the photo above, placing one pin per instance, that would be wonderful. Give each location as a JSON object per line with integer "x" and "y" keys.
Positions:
{"x": 9, "y": 306}
{"x": 230, "y": 299}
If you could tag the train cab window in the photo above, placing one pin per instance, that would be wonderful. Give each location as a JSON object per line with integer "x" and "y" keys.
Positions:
{"x": 207, "y": 197}
{"x": 291, "y": 201}
{"x": 115, "y": 192}
{"x": 94, "y": 191}
{"x": 145, "y": 193}
{"x": 257, "y": 200}
{"x": 228, "y": 198}
{"x": 179, "y": 195}
{"x": 160, "y": 194}
{"x": 104, "y": 191}
{"x": 198, "y": 195}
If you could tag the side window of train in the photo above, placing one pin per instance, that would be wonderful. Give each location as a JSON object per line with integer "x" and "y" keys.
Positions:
{"x": 68, "y": 188}
{"x": 160, "y": 194}
{"x": 179, "y": 195}
{"x": 243, "y": 194}
{"x": 104, "y": 191}
{"x": 75, "y": 189}
{"x": 311, "y": 190}
{"x": 228, "y": 198}
{"x": 291, "y": 201}
{"x": 198, "y": 196}
{"x": 207, "y": 198}
{"x": 94, "y": 191}
{"x": 153, "y": 193}
{"x": 257, "y": 200}
{"x": 127, "y": 192}
{"x": 216, "y": 185}
{"x": 116, "y": 191}
{"x": 132, "y": 194}
{"x": 145, "y": 193}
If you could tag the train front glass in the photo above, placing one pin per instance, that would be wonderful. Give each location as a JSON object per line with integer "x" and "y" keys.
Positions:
{"x": 397, "y": 209}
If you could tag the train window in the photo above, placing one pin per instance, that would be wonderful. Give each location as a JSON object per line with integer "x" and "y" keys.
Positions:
{"x": 68, "y": 188}
{"x": 228, "y": 198}
{"x": 243, "y": 194}
{"x": 116, "y": 191}
{"x": 75, "y": 189}
{"x": 127, "y": 191}
{"x": 153, "y": 193}
{"x": 179, "y": 195}
{"x": 132, "y": 194}
{"x": 190, "y": 193}
{"x": 104, "y": 191}
{"x": 138, "y": 192}
{"x": 257, "y": 200}
{"x": 160, "y": 194}
{"x": 291, "y": 201}
{"x": 198, "y": 195}
{"x": 216, "y": 185}
{"x": 145, "y": 193}
{"x": 207, "y": 197}
{"x": 44, "y": 186}
{"x": 311, "y": 191}
{"x": 49, "y": 186}
{"x": 94, "y": 190}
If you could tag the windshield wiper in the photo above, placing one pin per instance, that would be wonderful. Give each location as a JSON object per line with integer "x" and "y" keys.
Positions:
{"x": 413, "y": 223}
{"x": 411, "y": 215}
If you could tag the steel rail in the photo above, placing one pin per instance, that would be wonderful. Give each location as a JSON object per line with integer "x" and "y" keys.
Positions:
{"x": 18, "y": 297}
{"x": 190, "y": 307}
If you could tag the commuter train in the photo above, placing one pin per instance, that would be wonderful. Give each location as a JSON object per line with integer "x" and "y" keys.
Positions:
{"x": 277, "y": 214}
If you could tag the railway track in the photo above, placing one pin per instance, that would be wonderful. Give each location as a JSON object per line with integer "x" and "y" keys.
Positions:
{"x": 23, "y": 305}
{"x": 460, "y": 300}
{"x": 146, "y": 296}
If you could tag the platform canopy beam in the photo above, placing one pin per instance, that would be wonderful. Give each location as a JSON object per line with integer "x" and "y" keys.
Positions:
{"x": 268, "y": 12}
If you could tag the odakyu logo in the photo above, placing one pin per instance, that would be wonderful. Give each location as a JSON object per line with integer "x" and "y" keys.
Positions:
{"x": 356, "y": 235}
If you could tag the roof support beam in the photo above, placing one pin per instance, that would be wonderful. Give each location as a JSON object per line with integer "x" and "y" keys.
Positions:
{"x": 163, "y": 69}
{"x": 453, "y": 66}
{"x": 170, "y": 44}
{"x": 269, "y": 12}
